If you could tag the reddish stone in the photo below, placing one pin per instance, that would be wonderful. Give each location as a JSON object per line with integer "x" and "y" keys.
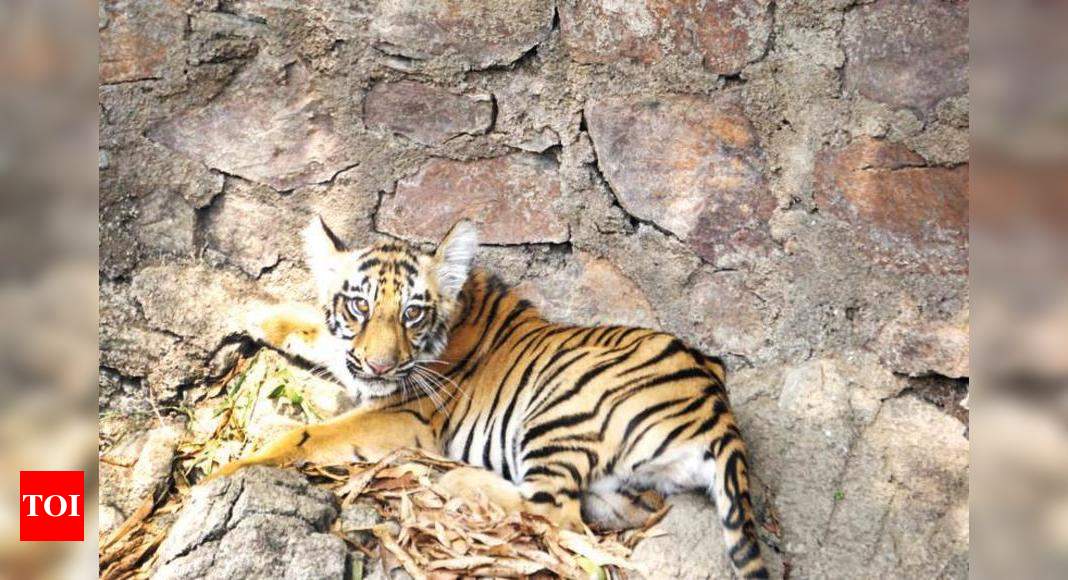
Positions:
{"x": 273, "y": 131}
{"x": 725, "y": 35}
{"x": 910, "y": 216}
{"x": 591, "y": 290}
{"x": 136, "y": 38}
{"x": 692, "y": 165}
{"x": 513, "y": 199}
{"x": 907, "y": 53}
{"x": 479, "y": 33}
{"x": 425, "y": 113}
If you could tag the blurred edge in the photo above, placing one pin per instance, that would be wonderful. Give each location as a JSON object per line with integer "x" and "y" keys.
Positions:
{"x": 1019, "y": 257}
{"x": 48, "y": 265}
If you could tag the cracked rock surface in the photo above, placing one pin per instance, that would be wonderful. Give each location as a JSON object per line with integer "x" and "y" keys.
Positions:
{"x": 259, "y": 523}
{"x": 782, "y": 183}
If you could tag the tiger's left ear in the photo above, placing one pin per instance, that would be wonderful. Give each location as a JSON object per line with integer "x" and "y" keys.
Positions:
{"x": 454, "y": 256}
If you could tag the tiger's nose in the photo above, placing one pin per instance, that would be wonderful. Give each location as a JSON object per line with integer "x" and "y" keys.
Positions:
{"x": 381, "y": 366}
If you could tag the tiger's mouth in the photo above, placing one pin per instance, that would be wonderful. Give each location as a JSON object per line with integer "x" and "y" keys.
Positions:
{"x": 393, "y": 377}
{"x": 364, "y": 384}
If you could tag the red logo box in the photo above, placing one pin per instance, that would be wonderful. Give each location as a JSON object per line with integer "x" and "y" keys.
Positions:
{"x": 51, "y": 506}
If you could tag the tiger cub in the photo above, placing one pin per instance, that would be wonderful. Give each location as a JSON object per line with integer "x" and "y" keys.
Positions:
{"x": 449, "y": 359}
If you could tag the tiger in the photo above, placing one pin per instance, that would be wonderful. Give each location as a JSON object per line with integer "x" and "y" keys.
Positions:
{"x": 447, "y": 358}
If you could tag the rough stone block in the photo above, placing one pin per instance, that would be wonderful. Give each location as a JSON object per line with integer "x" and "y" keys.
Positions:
{"x": 426, "y": 114}
{"x": 691, "y": 165}
{"x": 514, "y": 199}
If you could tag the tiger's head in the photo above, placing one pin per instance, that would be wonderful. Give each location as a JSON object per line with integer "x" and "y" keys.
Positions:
{"x": 388, "y": 306}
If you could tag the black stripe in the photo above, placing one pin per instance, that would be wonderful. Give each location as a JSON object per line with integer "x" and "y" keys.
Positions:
{"x": 718, "y": 409}
{"x": 367, "y": 265}
{"x": 645, "y": 414}
{"x": 543, "y": 497}
{"x": 674, "y": 347}
{"x": 671, "y": 437}
{"x": 550, "y": 450}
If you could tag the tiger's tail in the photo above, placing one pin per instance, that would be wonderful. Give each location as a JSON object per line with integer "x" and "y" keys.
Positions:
{"x": 730, "y": 492}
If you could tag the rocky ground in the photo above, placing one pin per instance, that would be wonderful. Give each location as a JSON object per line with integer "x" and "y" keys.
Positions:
{"x": 781, "y": 183}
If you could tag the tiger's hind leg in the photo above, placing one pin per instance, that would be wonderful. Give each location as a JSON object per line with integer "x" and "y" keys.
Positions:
{"x": 608, "y": 507}
{"x": 717, "y": 465}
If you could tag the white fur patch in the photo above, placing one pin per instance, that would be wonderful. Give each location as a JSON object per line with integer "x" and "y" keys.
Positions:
{"x": 322, "y": 256}
{"x": 454, "y": 257}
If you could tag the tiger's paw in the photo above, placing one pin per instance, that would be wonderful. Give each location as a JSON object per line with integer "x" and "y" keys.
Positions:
{"x": 471, "y": 482}
{"x": 289, "y": 327}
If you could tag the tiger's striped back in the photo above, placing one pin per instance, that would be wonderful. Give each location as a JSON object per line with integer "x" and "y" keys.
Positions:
{"x": 561, "y": 410}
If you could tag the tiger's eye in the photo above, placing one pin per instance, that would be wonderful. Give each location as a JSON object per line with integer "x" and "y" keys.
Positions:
{"x": 413, "y": 314}
{"x": 359, "y": 307}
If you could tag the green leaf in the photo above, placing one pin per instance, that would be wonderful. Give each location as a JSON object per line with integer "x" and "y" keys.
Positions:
{"x": 277, "y": 392}
{"x": 356, "y": 570}
{"x": 595, "y": 572}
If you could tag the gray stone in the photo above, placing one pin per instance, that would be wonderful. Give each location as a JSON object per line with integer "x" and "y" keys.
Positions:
{"x": 257, "y": 523}
{"x": 514, "y": 199}
{"x": 901, "y": 511}
{"x": 835, "y": 429}
{"x": 426, "y": 114}
{"x": 137, "y": 468}
{"x": 184, "y": 312}
{"x": 202, "y": 320}
{"x": 539, "y": 141}
{"x": 691, "y": 544}
{"x": 165, "y": 223}
{"x": 270, "y": 126}
{"x": 357, "y": 521}
{"x": 728, "y": 316}
{"x": 476, "y": 33}
{"x": 917, "y": 344}
{"x": 148, "y": 197}
{"x": 246, "y": 225}
{"x": 153, "y": 467}
{"x": 907, "y": 53}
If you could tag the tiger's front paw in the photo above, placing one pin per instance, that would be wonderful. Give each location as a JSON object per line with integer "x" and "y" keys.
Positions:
{"x": 291, "y": 328}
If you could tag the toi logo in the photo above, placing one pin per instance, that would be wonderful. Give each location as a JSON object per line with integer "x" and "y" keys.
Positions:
{"x": 51, "y": 506}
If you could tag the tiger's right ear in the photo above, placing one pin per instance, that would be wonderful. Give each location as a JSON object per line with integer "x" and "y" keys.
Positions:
{"x": 322, "y": 250}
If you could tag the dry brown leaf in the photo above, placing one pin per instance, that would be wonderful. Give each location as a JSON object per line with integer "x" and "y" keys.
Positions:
{"x": 388, "y": 543}
{"x": 130, "y": 524}
{"x": 462, "y": 563}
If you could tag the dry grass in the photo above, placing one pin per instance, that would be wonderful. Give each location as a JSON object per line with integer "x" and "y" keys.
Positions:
{"x": 436, "y": 536}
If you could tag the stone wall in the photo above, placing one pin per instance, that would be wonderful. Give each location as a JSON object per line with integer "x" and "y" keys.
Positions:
{"x": 781, "y": 183}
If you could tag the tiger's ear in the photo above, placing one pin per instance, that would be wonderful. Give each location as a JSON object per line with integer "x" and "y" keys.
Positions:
{"x": 323, "y": 250}
{"x": 454, "y": 256}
